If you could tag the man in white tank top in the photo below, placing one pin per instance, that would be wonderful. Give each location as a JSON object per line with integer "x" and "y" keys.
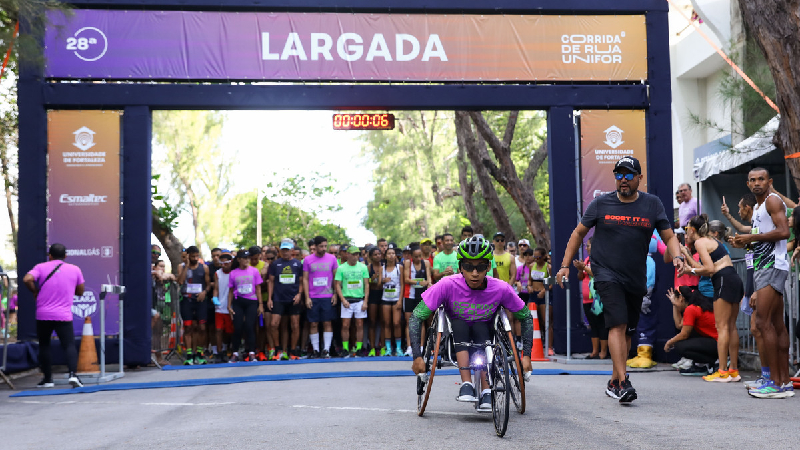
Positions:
{"x": 768, "y": 240}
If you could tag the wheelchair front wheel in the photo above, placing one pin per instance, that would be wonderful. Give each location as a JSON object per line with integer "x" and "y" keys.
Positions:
{"x": 501, "y": 391}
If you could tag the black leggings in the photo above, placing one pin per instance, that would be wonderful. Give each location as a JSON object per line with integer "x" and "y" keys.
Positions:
{"x": 63, "y": 329}
{"x": 244, "y": 317}
{"x": 464, "y": 333}
{"x": 700, "y": 349}
{"x": 597, "y": 324}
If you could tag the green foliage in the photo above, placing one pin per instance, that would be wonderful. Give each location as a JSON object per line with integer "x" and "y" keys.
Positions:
{"x": 167, "y": 215}
{"x": 27, "y": 47}
{"x": 421, "y": 152}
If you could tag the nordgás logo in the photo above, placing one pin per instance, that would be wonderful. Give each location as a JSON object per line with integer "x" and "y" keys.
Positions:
{"x": 82, "y": 200}
{"x": 591, "y": 48}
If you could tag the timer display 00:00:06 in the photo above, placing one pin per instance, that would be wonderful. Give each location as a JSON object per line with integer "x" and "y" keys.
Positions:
{"x": 363, "y": 121}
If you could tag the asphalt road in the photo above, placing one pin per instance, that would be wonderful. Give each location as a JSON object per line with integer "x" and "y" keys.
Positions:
{"x": 563, "y": 411}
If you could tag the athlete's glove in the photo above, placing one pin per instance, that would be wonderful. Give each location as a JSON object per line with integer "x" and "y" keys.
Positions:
{"x": 646, "y": 302}
{"x": 216, "y": 301}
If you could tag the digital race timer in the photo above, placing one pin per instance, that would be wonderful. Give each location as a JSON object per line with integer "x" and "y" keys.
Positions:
{"x": 363, "y": 121}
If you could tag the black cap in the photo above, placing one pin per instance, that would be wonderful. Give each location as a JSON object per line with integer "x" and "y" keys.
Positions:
{"x": 242, "y": 254}
{"x": 499, "y": 233}
{"x": 630, "y": 163}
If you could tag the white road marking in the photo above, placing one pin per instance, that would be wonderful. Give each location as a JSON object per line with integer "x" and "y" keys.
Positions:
{"x": 41, "y": 402}
{"x": 356, "y": 408}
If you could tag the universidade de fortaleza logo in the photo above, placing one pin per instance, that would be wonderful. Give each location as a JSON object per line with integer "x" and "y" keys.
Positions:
{"x": 613, "y": 137}
{"x": 84, "y": 138}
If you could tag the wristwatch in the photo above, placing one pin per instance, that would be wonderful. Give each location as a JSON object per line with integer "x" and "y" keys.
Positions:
{"x": 693, "y": 271}
{"x": 679, "y": 257}
{"x": 565, "y": 267}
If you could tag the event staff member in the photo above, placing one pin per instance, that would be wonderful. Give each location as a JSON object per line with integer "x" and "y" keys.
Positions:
{"x": 54, "y": 284}
{"x": 624, "y": 221}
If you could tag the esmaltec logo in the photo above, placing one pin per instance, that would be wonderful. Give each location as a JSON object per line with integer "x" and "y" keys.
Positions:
{"x": 82, "y": 200}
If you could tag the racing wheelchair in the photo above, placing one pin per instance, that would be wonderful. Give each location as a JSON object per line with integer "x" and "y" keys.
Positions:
{"x": 499, "y": 360}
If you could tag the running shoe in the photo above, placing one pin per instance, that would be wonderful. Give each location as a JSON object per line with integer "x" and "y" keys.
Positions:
{"x": 720, "y": 376}
{"x": 695, "y": 370}
{"x": 466, "y": 393}
{"x": 788, "y": 388}
{"x": 627, "y": 393}
{"x": 189, "y": 361}
{"x": 45, "y": 384}
{"x": 326, "y": 354}
{"x": 344, "y": 353}
{"x": 398, "y": 352}
{"x": 271, "y": 354}
{"x": 199, "y": 359}
{"x": 294, "y": 354}
{"x": 408, "y": 352}
{"x": 234, "y": 358}
{"x": 251, "y": 357}
{"x": 278, "y": 356}
{"x": 486, "y": 402}
{"x": 755, "y": 384}
{"x": 384, "y": 351}
{"x": 285, "y": 356}
{"x": 612, "y": 389}
{"x": 770, "y": 390}
{"x": 371, "y": 352}
{"x": 734, "y": 375}
{"x": 74, "y": 380}
{"x": 261, "y": 356}
{"x": 679, "y": 365}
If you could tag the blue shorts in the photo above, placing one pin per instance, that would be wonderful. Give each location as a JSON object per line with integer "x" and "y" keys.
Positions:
{"x": 321, "y": 310}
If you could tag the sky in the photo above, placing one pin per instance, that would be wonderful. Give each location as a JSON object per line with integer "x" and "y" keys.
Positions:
{"x": 297, "y": 143}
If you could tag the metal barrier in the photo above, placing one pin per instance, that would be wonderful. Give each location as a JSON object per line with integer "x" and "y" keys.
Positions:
{"x": 167, "y": 323}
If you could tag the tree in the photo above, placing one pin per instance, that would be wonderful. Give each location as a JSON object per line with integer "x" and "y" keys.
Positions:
{"x": 9, "y": 124}
{"x": 200, "y": 171}
{"x": 504, "y": 171}
{"x": 163, "y": 222}
{"x": 775, "y": 26}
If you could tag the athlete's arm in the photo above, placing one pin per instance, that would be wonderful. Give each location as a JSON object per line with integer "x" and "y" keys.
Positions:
{"x": 270, "y": 287}
{"x": 338, "y": 285}
{"x": 427, "y": 272}
{"x": 526, "y": 321}
{"x": 418, "y": 317}
{"x": 706, "y": 266}
{"x": 216, "y": 285}
{"x": 182, "y": 274}
{"x": 777, "y": 211}
{"x": 202, "y": 296}
{"x": 260, "y": 302}
{"x": 512, "y": 267}
{"x": 736, "y": 224}
{"x": 789, "y": 203}
{"x": 686, "y": 331}
{"x": 407, "y": 272}
{"x": 366, "y": 294}
{"x": 574, "y": 243}
{"x": 673, "y": 246}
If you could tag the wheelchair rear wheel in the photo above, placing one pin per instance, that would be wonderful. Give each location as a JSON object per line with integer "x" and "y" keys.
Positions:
{"x": 501, "y": 391}
{"x": 517, "y": 383}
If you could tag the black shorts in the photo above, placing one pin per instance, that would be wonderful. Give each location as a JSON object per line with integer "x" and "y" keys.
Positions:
{"x": 727, "y": 285}
{"x": 286, "y": 308}
{"x": 620, "y": 306}
{"x": 474, "y": 332}
{"x": 321, "y": 310}
{"x": 375, "y": 297}
{"x": 409, "y": 304}
{"x": 194, "y": 311}
{"x": 524, "y": 297}
{"x": 597, "y": 324}
{"x": 533, "y": 297}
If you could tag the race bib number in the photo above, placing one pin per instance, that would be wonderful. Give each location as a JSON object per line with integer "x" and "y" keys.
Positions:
{"x": 194, "y": 288}
{"x": 244, "y": 289}
{"x": 320, "y": 281}
{"x": 417, "y": 282}
{"x": 748, "y": 258}
{"x": 537, "y": 275}
{"x": 286, "y": 278}
{"x": 354, "y": 284}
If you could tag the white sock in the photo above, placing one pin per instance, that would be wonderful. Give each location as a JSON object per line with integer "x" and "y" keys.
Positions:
{"x": 486, "y": 391}
{"x": 327, "y": 336}
{"x": 214, "y": 349}
{"x": 314, "y": 341}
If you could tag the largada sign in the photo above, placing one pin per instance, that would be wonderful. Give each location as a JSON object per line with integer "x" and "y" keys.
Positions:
{"x": 170, "y": 45}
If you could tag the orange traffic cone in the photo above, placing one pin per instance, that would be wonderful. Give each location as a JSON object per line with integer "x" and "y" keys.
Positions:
{"x": 537, "y": 351}
{"x": 172, "y": 326}
{"x": 87, "y": 356}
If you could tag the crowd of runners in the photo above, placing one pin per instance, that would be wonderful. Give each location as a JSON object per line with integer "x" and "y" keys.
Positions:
{"x": 327, "y": 300}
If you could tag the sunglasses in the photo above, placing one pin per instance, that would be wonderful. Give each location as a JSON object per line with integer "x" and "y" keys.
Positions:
{"x": 480, "y": 267}
{"x": 271, "y": 259}
{"x": 627, "y": 176}
{"x": 156, "y": 253}
{"x": 523, "y": 245}
{"x": 499, "y": 240}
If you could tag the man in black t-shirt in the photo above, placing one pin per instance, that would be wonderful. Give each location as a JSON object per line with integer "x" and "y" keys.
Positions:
{"x": 623, "y": 221}
{"x": 284, "y": 293}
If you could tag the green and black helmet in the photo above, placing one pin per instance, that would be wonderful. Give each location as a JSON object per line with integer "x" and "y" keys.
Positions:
{"x": 475, "y": 247}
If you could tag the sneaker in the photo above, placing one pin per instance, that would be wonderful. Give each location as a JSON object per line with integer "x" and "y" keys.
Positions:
{"x": 74, "y": 380}
{"x": 486, "y": 402}
{"x": 278, "y": 356}
{"x": 467, "y": 393}
{"x": 251, "y": 357}
{"x": 612, "y": 389}
{"x": 695, "y": 370}
{"x": 234, "y": 358}
{"x": 408, "y": 352}
{"x": 313, "y": 355}
{"x": 261, "y": 356}
{"x": 384, "y": 351}
{"x": 371, "y": 352}
{"x": 627, "y": 393}
{"x": 720, "y": 376}
{"x": 45, "y": 384}
{"x": 326, "y": 354}
{"x": 398, "y": 352}
{"x": 285, "y": 356}
{"x": 755, "y": 384}
{"x": 770, "y": 390}
{"x": 199, "y": 359}
{"x": 344, "y": 353}
{"x": 734, "y": 376}
{"x": 788, "y": 388}
{"x": 687, "y": 364}
{"x": 189, "y": 361}
{"x": 680, "y": 363}
{"x": 294, "y": 354}
{"x": 271, "y": 354}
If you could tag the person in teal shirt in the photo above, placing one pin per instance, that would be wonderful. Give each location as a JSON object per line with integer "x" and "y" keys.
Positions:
{"x": 351, "y": 281}
{"x": 446, "y": 261}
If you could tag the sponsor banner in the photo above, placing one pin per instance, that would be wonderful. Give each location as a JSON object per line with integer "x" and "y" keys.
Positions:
{"x": 83, "y": 207}
{"x": 607, "y": 136}
{"x": 343, "y": 47}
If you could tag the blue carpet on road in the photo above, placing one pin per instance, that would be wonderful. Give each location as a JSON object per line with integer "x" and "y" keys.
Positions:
{"x": 275, "y": 377}
{"x": 289, "y": 362}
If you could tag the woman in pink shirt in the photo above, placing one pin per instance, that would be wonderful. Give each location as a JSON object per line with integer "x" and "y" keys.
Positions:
{"x": 244, "y": 305}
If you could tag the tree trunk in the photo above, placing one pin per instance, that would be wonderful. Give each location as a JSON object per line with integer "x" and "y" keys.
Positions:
{"x": 467, "y": 186}
{"x": 775, "y": 25}
{"x": 473, "y": 149}
{"x": 8, "y": 184}
{"x": 172, "y": 245}
{"x": 506, "y": 175}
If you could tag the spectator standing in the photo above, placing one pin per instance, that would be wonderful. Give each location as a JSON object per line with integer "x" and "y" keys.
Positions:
{"x": 55, "y": 284}
{"x": 688, "y": 208}
{"x": 597, "y": 325}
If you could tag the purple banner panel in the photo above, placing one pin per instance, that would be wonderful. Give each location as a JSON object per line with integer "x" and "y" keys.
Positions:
{"x": 197, "y": 45}
{"x": 83, "y": 208}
